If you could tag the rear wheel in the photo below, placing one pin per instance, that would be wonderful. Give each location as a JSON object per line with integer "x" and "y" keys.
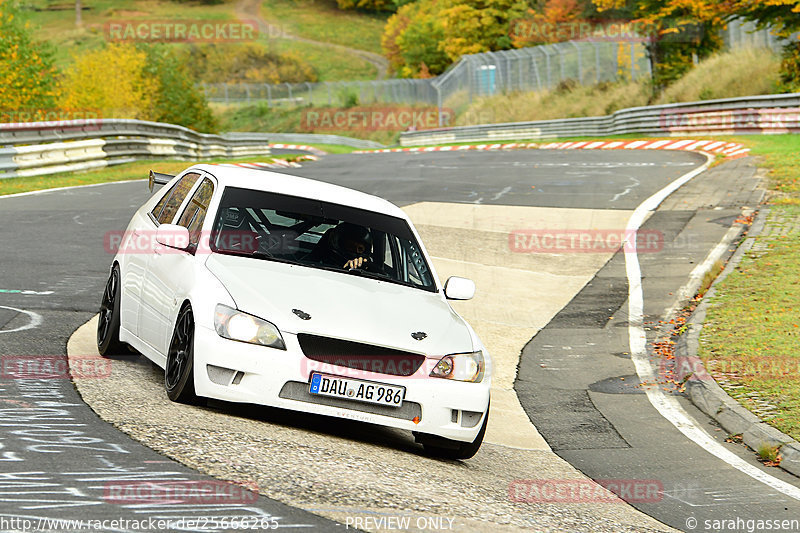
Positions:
{"x": 453, "y": 449}
{"x": 179, "y": 371}
{"x": 108, "y": 342}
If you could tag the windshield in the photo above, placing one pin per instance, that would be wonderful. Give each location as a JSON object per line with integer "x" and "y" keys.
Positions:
{"x": 319, "y": 234}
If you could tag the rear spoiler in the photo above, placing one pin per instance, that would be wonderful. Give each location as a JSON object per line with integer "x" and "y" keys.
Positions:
{"x": 157, "y": 178}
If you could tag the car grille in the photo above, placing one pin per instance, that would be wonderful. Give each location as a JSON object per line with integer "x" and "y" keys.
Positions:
{"x": 360, "y": 356}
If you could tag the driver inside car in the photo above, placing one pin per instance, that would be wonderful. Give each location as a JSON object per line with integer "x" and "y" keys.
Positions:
{"x": 347, "y": 246}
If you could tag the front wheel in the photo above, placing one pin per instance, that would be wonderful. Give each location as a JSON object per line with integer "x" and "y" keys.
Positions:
{"x": 108, "y": 342}
{"x": 179, "y": 371}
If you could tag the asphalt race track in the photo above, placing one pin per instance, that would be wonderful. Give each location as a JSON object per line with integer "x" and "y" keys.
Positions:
{"x": 574, "y": 380}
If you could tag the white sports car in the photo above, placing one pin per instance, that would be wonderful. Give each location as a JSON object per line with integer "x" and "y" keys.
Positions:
{"x": 257, "y": 287}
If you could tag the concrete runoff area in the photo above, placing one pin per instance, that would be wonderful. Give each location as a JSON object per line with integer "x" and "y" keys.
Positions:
{"x": 518, "y": 292}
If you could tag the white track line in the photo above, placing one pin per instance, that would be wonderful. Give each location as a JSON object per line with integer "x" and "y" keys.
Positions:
{"x": 668, "y": 405}
{"x": 54, "y": 189}
{"x": 35, "y": 320}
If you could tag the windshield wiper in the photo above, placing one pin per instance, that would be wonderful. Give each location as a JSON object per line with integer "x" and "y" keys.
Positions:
{"x": 368, "y": 274}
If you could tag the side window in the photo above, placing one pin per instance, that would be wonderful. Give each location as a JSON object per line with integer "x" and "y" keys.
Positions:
{"x": 166, "y": 208}
{"x": 195, "y": 212}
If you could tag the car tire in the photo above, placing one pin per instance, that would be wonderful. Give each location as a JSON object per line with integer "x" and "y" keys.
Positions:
{"x": 108, "y": 342}
{"x": 179, "y": 370}
{"x": 451, "y": 449}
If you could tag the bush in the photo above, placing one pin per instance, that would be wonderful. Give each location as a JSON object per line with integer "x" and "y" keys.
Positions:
{"x": 177, "y": 100}
{"x": 239, "y": 63}
{"x": 367, "y": 5}
{"x": 27, "y": 74}
{"x": 790, "y": 69}
{"x": 424, "y": 37}
{"x": 743, "y": 72}
{"x": 147, "y": 83}
{"x": 113, "y": 81}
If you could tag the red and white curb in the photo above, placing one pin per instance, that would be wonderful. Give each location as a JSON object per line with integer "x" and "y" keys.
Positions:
{"x": 276, "y": 163}
{"x": 303, "y": 147}
{"x": 729, "y": 150}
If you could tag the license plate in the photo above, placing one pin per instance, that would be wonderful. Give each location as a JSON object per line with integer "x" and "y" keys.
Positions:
{"x": 357, "y": 389}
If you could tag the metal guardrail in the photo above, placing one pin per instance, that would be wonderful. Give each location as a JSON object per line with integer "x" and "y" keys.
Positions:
{"x": 778, "y": 113}
{"x": 41, "y": 148}
{"x": 314, "y": 138}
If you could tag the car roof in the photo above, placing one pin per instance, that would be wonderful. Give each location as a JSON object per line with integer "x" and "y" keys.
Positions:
{"x": 264, "y": 180}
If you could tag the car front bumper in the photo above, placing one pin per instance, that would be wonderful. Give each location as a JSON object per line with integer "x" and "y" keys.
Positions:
{"x": 246, "y": 373}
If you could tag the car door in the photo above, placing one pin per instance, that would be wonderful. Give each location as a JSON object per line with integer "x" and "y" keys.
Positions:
{"x": 170, "y": 272}
{"x": 164, "y": 213}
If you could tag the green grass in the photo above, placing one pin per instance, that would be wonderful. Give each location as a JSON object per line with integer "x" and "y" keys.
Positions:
{"x": 741, "y": 72}
{"x": 322, "y": 20}
{"x": 752, "y": 329}
{"x": 261, "y": 118}
{"x": 319, "y": 20}
{"x": 329, "y": 63}
{"x": 128, "y": 171}
{"x": 58, "y": 26}
{"x": 781, "y": 154}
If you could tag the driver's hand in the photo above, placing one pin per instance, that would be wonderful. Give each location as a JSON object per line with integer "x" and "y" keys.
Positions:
{"x": 358, "y": 262}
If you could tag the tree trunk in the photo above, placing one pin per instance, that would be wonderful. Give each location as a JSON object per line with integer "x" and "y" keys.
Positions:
{"x": 78, "y": 13}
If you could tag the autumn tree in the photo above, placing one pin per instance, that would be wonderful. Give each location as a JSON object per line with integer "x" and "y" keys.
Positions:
{"x": 474, "y": 26}
{"x": 544, "y": 24}
{"x": 435, "y": 33}
{"x": 679, "y": 32}
{"x": 111, "y": 80}
{"x": 412, "y": 39}
{"x": 27, "y": 74}
{"x": 783, "y": 18}
{"x": 367, "y": 5}
{"x": 177, "y": 99}
{"x": 148, "y": 82}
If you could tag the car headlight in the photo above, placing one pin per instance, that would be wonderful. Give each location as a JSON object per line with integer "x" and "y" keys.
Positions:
{"x": 238, "y": 326}
{"x": 460, "y": 367}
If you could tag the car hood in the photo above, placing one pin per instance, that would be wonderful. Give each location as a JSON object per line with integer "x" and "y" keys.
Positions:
{"x": 341, "y": 305}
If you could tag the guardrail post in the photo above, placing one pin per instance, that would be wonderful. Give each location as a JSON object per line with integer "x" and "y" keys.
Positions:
{"x": 580, "y": 62}
{"x": 546, "y": 51}
{"x": 310, "y": 95}
{"x": 439, "y": 105}
{"x": 226, "y": 92}
{"x": 535, "y": 66}
{"x": 269, "y": 94}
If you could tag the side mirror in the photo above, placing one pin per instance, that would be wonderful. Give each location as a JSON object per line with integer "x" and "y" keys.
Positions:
{"x": 456, "y": 288}
{"x": 173, "y": 236}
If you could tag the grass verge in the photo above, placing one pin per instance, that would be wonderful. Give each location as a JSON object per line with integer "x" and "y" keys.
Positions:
{"x": 322, "y": 20}
{"x": 752, "y": 330}
{"x": 128, "y": 171}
